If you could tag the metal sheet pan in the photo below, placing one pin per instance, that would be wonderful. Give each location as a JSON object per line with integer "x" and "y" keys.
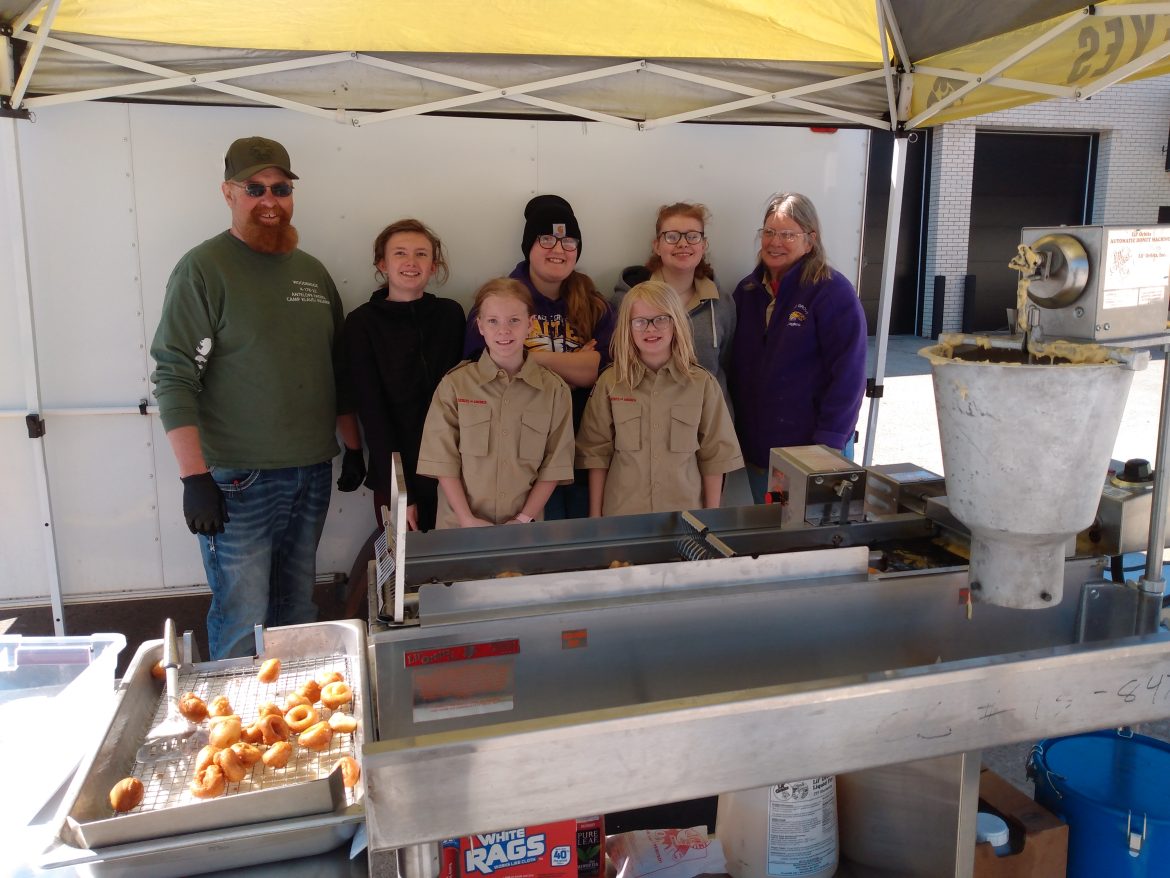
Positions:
{"x": 306, "y": 787}
{"x": 240, "y": 847}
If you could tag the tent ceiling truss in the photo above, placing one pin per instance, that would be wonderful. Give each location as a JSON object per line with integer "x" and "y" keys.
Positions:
{"x": 798, "y": 97}
{"x": 812, "y": 98}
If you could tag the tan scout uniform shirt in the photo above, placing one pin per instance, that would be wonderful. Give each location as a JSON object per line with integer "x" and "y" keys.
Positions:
{"x": 657, "y": 440}
{"x": 500, "y": 435}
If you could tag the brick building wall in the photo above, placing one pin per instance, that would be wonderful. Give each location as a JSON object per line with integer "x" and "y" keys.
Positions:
{"x": 1131, "y": 182}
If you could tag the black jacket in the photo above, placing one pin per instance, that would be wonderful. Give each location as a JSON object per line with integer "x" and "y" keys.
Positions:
{"x": 397, "y": 353}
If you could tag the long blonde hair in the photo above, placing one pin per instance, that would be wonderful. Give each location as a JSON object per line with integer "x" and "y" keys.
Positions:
{"x": 629, "y": 366}
{"x": 800, "y": 210}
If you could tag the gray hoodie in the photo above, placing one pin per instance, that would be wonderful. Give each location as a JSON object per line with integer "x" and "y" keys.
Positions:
{"x": 712, "y": 321}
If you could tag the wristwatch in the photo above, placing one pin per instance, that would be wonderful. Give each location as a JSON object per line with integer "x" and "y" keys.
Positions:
{"x": 524, "y": 517}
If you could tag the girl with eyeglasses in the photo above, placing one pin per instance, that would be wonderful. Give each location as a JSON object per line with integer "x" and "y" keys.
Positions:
{"x": 678, "y": 258}
{"x": 797, "y": 372}
{"x": 572, "y": 322}
{"x": 400, "y": 344}
{"x": 499, "y": 432}
{"x": 656, "y": 435}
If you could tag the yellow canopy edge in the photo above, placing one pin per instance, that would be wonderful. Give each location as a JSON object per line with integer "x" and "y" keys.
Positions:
{"x": 1089, "y": 50}
{"x": 755, "y": 29}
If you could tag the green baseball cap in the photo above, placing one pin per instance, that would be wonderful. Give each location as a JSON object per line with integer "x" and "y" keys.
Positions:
{"x": 251, "y": 154}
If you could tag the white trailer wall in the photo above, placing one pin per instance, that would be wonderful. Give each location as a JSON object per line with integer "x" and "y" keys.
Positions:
{"x": 115, "y": 193}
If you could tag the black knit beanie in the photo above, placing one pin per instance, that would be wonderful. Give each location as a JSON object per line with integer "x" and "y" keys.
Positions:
{"x": 549, "y": 215}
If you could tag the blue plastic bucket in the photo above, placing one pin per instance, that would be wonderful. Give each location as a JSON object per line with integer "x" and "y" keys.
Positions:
{"x": 1113, "y": 790}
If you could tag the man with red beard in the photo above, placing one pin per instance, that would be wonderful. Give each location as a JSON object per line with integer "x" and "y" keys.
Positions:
{"x": 251, "y": 391}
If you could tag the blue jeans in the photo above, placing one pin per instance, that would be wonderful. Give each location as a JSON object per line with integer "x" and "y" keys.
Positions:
{"x": 567, "y": 501}
{"x": 261, "y": 569}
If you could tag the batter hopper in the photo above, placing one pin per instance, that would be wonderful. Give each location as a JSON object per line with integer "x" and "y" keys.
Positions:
{"x": 1026, "y": 448}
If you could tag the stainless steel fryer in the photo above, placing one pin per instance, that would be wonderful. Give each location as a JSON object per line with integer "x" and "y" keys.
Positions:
{"x": 304, "y": 800}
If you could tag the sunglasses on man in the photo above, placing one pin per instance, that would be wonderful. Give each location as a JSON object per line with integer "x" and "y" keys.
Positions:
{"x": 257, "y": 190}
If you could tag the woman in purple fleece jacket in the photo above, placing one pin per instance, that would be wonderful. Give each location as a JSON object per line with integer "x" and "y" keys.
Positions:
{"x": 797, "y": 372}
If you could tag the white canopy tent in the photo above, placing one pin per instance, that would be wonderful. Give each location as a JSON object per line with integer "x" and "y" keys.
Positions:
{"x": 893, "y": 65}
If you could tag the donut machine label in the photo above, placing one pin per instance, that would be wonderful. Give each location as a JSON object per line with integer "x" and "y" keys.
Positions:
{"x": 466, "y": 679}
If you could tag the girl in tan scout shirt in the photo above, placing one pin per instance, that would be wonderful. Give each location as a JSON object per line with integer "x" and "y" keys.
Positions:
{"x": 656, "y": 435}
{"x": 499, "y": 432}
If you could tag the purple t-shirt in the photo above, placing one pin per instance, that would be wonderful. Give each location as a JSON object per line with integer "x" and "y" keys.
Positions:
{"x": 550, "y": 330}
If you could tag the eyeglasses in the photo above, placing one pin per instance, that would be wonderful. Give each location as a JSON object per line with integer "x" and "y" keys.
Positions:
{"x": 673, "y": 237}
{"x": 257, "y": 190}
{"x": 549, "y": 241}
{"x": 641, "y": 324}
{"x": 786, "y": 236}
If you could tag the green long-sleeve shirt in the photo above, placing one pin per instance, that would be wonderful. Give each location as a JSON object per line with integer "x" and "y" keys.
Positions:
{"x": 246, "y": 351}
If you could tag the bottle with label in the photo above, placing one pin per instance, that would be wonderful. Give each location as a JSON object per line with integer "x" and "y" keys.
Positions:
{"x": 787, "y": 830}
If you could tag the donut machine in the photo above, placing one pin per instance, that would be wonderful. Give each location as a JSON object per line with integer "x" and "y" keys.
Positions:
{"x": 574, "y": 684}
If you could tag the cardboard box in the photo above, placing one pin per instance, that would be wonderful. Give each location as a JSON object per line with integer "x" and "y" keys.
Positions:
{"x": 1039, "y": 838}
{"x": 545, "y": 851}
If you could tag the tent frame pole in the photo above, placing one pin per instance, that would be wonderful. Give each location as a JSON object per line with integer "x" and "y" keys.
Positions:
{"x": 874, "y": 387}
{"x": 12, "y": 203}
{"x": 34, "y": 53}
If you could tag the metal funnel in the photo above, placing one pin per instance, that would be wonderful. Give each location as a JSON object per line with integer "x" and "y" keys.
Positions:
{"x": 1025, "y": 449}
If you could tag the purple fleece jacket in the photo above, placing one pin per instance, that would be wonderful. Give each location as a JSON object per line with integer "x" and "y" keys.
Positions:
{"x": 800, "y": 380}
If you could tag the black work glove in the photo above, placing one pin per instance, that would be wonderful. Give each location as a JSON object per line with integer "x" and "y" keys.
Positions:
{"x": 203, "y": 505}
{"x": 353, "y": 470}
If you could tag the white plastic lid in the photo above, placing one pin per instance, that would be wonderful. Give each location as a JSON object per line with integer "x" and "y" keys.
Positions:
{"x": 991, "y": 829}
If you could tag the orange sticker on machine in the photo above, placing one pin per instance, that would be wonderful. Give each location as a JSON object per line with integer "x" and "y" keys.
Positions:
{"x": 577, "y": 638}
{"x": 462, "y": 652}
{"x": 467, "y": 679}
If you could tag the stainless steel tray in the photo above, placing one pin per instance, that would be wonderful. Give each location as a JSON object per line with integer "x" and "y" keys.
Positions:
{"x": 181, "y": 856}
{"x": 265, "y": 798}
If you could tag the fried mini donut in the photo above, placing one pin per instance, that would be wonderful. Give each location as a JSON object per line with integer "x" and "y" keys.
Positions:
{"x": 193, "y": 707}
{"x": 330, "y": 676}
{"x": 277, "y": 755}
{"x": 350, "y": 770}
{"x": 126, "y": 794}
{"x": 205, "y": 758}
{"x": 274, "y": 729}
{"x": 252, "y": 734}
{"x": 249, "y": 753}
{"x": 316, "y": 736}
{"x": 293, "y": 699}
{"x": 311, "y": 690}
{"x": 224, "y": 731}
{"x": 300, "y": 717}
{"x": 268, "y": 707}
{"x": 343, "y": 723}
{"x": 269, "y": 671}
{"x": 220, "y": 706}
{"x": 336, "y": 694}
{"x": 208, "y": 783}
{"x": 231, "y": 765}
